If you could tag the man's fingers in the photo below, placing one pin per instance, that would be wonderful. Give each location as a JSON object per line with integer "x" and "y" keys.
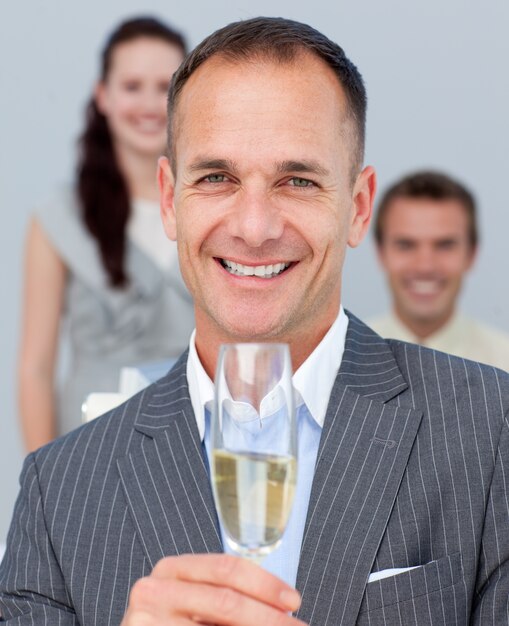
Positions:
{"x": 238, "y": 574}
{"x": 211, "y": 589}
{"x": 211, "y": 604}
{"x": 148, "y": 606}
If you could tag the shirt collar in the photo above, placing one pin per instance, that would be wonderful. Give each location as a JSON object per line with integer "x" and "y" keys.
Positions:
{"x": 313, "y": 380}
{"x": 456, "y": 329}
{"x": 315, "y": 377}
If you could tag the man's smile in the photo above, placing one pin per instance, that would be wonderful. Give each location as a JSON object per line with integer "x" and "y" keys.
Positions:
{"x": 260, "y": 271}
{"x": 424, "y": 287}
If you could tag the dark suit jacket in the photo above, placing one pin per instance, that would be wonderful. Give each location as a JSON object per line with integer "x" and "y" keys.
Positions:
{"x": 412, "y": 470}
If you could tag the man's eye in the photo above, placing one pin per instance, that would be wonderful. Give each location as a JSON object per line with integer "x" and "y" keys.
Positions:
{"x": 404, "y": 245}
{"x": 296, "y": 181}
{"x": 449, "y": 244}
{"x": 215, "y": 178}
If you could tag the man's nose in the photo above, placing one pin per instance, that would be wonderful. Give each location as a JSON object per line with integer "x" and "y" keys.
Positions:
{"x": 425, "y": 259}
{"x": 256, "y": 219}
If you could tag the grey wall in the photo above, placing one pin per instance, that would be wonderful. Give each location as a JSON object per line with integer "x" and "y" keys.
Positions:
{"x": 437, "y": 79}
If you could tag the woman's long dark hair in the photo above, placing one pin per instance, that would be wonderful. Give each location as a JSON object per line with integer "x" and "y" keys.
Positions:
{"x": 102, "y": 189}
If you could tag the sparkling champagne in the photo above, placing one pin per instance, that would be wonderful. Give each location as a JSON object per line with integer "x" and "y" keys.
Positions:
{"x": 255, "y": 494}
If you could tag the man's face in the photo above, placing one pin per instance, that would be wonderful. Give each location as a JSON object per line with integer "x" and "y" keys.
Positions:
{"x": 262, "y": 204}
{"x": 425, "y": 251}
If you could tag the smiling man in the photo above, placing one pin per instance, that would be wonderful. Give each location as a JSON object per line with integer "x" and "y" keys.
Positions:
{"x": 427, "y": 241}
{"x": 263, "y": 197}
{"x": 393, "y": 523}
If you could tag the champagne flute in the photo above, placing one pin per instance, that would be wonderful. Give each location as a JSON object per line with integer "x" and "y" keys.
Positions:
{"x": 254, "y": 445}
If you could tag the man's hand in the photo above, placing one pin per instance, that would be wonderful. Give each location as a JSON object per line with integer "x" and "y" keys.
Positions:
{"x": 210, "y": 589}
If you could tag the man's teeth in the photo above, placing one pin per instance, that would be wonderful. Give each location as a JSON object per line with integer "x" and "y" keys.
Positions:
{"x": 424, "y": 287}
{"x": 262, "y": 271}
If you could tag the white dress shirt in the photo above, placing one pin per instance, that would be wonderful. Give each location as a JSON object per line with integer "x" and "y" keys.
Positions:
{"x": 313, "y": 383}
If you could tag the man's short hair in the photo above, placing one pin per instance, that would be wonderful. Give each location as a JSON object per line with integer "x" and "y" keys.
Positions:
{"x": 279, "y": 40}
{"x": 428, "y": 185}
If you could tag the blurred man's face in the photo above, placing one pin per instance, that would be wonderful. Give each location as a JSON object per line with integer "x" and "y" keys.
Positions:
{"x": 425, "y": 251}
{"x": 262, "y": 205}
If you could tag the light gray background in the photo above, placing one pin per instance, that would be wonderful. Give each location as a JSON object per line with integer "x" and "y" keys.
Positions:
{"x": 438, "y": 86}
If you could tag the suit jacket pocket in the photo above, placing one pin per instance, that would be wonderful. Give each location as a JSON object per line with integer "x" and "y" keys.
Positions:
{"x": 431, "y": 594}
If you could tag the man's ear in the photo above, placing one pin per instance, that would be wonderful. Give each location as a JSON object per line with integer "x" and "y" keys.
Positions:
{"x": 362, "y": 205}
{"x": 166, "y": 182}
{"x": 473, "y": 254}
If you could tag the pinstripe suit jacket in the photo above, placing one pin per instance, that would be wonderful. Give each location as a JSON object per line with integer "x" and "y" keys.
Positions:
{"x": 412, "y": 470}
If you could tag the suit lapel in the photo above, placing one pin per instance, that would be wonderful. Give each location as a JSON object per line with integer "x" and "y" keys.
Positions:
{"x": 164, "y": 475}
{"x": 362, "y": 457}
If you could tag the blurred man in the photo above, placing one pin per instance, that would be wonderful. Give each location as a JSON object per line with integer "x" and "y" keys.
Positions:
{"x": 393, "y": 523}
{"x": 427, "y": 240}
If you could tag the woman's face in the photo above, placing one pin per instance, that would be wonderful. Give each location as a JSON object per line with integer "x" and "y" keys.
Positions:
{"x": 133, "y": 95}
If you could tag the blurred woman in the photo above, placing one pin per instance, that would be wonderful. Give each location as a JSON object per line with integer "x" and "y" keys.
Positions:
{"x": 96, "y": 255}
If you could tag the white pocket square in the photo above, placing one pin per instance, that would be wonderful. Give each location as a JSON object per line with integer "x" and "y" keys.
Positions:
{"x": 385, "y": 573}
